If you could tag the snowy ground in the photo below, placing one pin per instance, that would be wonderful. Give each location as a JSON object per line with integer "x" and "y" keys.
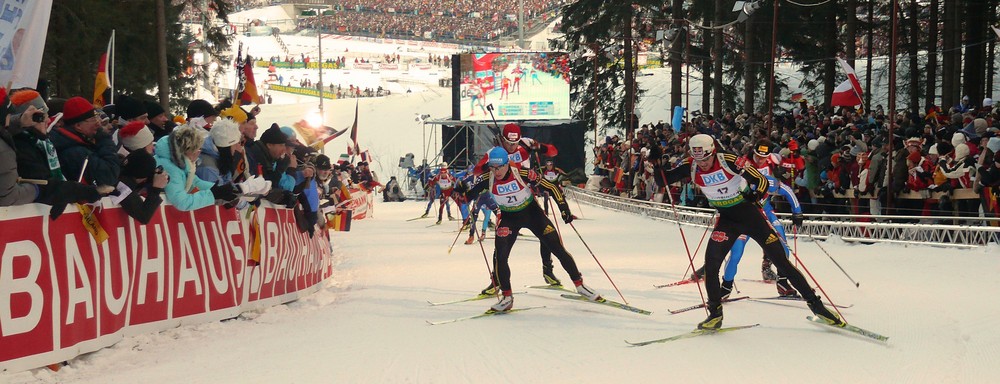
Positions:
{"x": 368, "y": 324}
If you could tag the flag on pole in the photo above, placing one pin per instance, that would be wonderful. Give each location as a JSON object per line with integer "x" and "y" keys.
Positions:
{"x": 797, "y": 97}
{"x": 102, "y": 83}
{"x": 849, "y": 92}
{"x": 339, "y": 221}
{"x": 354, "y": 129}
{"x": 248, "y": 94}
{"x": 343, "y": 158}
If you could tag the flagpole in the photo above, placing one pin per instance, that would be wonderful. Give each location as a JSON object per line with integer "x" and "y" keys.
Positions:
{"x": 319, "y": 35}
{"x": 111, "y": 79}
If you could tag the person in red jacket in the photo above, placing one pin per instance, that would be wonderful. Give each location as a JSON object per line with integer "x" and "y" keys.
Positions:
{"x": 446, "y": 183}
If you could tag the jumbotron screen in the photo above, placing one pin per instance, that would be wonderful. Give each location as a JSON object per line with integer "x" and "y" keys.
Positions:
{"x": 520, "y": 86}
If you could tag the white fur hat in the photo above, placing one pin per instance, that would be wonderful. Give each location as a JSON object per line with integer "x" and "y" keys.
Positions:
{"x": 961, "y": 151}
{"x": 932, "y": 150}
{"x": 813, "y": 144}
{"x": 225, "y": 133}
{"x": 958, "y": 138}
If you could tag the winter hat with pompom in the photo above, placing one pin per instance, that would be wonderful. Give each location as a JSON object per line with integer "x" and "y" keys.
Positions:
{"x": 135, "y": 135}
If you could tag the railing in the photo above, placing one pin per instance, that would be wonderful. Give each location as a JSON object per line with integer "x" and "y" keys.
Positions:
{"x": 847, "y": 227}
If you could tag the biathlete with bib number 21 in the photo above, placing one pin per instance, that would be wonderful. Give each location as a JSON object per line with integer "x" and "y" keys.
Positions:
{"x": 519, "y": 209}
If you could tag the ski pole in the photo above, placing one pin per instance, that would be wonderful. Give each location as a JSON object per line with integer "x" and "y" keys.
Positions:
{"x": 493, "y": 276}
{"x": 856, "y": 284}
{"x": 823, "y": 291}
{"x": 677, "y": 218}
{"x": 460, "y": 231}
{"x": 696, "y": 249}
{"x": 598, "y": 262}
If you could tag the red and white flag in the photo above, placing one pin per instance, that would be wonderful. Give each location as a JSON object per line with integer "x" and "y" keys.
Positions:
{"x": 849, "y": 92}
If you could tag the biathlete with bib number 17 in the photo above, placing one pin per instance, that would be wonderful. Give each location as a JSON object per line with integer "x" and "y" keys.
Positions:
{"x": 736, "y": 193}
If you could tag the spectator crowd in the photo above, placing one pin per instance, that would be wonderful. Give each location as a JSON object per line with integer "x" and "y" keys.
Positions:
{"x": 838, "y": 162}
{"x": 65, "y": 151}
{"x": 441, "y": 20}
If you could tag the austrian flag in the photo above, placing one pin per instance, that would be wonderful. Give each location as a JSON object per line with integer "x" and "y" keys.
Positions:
{"x": 849, "y": 92}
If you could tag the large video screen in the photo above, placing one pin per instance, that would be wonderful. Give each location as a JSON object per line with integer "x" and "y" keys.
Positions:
{"x": 520, "y": 86}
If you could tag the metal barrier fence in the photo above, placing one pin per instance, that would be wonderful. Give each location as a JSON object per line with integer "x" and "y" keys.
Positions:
{"x": 847, "y": 227}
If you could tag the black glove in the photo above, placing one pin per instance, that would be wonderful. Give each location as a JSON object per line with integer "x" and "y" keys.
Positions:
{"x": 568, "y": 217}
{"x": 291, "y": 199}
{"x": 797, "y": 219}
{"x": 59, "y": 192}
{"x": 225, "y": 192}
{"x": 750, "y": 194}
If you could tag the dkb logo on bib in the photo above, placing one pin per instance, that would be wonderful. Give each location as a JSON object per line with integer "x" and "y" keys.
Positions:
{"x": 717, "y": 177}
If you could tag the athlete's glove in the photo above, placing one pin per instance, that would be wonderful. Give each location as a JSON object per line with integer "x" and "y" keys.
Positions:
{"x": 751, "y": 195}
{"x": 567, "y": 217}
{"x": 797, "y": 219}
{"x": 532, "y": 176}
{"x": 225, "y": 192}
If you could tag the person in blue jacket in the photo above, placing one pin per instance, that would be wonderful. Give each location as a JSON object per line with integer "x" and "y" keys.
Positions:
{"x": 177, "y": 153}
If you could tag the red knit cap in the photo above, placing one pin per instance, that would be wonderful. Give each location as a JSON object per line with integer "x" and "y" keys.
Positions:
{"x": 914, "y": 157}
{"x": 77, "y": 109}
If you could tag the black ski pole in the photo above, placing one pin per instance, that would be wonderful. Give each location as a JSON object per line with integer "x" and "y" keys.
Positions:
{"x": 856, "y": 284}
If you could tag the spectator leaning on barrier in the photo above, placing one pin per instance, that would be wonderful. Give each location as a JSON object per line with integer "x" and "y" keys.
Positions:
{"x": 82, "y": 140}
{"x": 15, "y": 191}
{"x": 36, "y": 156}
{"x": 177, "y": 154}
{"x": 220, "y": 152}
{"x": 266, "y": 159}
{"x": 140, "y": 187}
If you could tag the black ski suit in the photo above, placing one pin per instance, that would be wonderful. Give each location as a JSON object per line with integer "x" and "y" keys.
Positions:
{"x": 519, "y": 209}
{"x": 735, "y": 192}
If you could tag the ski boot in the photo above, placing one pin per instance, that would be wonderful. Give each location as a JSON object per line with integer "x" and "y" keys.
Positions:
{"x": 465, "y": 227}
{"x": 505, "y": 304}
{"x": 489, "y": 290}
{"x": 450, "y": 218}
{"x": 785, "y": 288}
{"x": 586, "y": 291}
{"x": 698, "y": 274}
{"x": 428, "y": 213}
{"x": 820, "y": 310}
{"x": 727, "y": 289}
{"x": 439, "y": 221}
{"x": 766, "y": 272}
{"x": 550, "y": 278}
{"x": 470, "y": 240}
{"x": 714, "y": 320}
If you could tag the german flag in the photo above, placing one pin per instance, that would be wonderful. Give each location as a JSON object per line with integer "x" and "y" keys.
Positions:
{"x": 102, "y": 82}
{"x": 339, "y": 221}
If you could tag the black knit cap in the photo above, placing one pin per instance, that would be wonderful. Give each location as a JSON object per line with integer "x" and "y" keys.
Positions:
{"x": 129, "y": 108}
{"x": 200, "y": 108}
{"x": 139, "y": 165}
{"x": 273, "y": 135}
{"x": 323, "y": 162}
{"x": 153, "y": 109}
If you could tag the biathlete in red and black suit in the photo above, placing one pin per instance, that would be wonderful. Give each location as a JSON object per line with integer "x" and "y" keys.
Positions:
{"x": 519, "y": 152}
{"x": 446, "y": 183}
{"x": 735, "y": 193}
{"x": 519, "y": 209}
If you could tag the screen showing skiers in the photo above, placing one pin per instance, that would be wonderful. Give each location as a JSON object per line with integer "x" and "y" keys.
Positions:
{"x": 523, "y": 85}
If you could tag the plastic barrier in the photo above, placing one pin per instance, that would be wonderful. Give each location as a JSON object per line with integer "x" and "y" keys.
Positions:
{"x": 63, "y": 294}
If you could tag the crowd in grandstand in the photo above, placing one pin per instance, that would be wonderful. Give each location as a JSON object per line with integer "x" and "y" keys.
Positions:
{"x": 133, "y": 151}
{"x": 429, "y": 19}
{"x": 943, "y": 163}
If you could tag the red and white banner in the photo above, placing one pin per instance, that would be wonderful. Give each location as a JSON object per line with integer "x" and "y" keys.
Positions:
{"x": 363, "y": 66}
{"x": 360, "y": 203}
{"x": 389, "y": 67}
{"x": 62, "y": 294}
